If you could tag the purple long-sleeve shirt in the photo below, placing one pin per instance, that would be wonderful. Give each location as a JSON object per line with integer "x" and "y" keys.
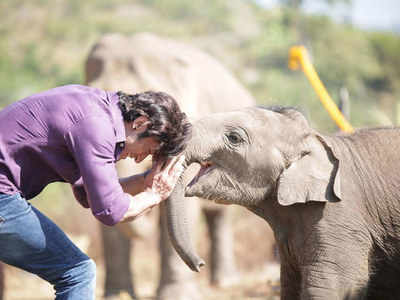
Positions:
{"x": 71, "y": 134}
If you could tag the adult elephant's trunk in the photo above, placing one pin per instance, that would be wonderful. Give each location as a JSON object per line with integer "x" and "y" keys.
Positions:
{"x": 178, "y": 226}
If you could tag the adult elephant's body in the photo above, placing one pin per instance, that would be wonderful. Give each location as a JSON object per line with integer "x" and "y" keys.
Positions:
{"x": 202, "y": 86}
{"x": 333, "y": 202}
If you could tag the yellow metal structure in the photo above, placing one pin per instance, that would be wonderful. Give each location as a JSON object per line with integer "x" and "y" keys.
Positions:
{"x": 298, "y": 57}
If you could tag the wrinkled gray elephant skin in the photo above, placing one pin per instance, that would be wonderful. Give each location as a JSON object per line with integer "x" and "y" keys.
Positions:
{"x": 332, "y": 201}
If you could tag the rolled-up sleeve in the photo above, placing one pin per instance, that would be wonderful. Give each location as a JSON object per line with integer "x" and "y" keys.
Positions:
{"x": 92, "y": 143}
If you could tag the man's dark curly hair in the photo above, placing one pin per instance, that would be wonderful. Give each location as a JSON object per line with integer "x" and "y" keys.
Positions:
{"x": 167, "y": 122}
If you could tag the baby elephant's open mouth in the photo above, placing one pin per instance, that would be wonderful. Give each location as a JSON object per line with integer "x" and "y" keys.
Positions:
{"x": 206, "y": 167}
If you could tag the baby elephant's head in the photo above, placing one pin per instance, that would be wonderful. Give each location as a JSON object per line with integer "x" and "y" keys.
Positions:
{"x": 257, "y": 155}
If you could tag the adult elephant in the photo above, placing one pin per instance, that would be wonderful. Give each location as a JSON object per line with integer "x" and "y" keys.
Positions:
{"x": 333, "y": 202}
{"x": 202, "y": 86}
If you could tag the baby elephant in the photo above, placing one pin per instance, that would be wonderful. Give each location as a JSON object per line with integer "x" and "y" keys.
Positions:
{"x": 332, "y": 201}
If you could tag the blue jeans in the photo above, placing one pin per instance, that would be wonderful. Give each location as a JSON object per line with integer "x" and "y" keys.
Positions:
{"x": 31, "y": 241}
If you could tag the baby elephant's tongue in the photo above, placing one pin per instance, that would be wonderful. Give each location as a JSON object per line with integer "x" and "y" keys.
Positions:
{"x": 201, "y": 172}
{"x": 194, "y": 189}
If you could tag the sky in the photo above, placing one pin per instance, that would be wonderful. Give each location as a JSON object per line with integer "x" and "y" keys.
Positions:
{"x": 366, "y": 14}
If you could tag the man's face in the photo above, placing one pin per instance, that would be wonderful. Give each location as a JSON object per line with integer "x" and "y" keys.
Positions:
{"x": 140, "y": 148}
{"x": 136, "y": 147}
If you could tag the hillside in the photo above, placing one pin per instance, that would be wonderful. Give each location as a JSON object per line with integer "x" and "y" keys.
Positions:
{"x": 44, "y": 43}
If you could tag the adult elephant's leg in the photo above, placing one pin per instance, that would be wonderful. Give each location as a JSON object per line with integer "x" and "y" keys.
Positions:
{"x": 177, "y": 281}
{"x": 117, "y": 245}
{"x": 223, "y": 265}
{"x": 117, "y": 251}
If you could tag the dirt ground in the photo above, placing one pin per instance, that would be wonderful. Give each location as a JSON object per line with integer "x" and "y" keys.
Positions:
{"x": 258, "y": 275}
{"x": 24, "y": 286}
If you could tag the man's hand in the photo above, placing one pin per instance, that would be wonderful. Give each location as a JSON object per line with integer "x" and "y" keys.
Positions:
{"x": 163, "y": 176}
{"x": 159, "y": 182}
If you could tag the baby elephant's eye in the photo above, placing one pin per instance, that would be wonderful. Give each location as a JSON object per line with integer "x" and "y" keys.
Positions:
{"x": 234, "y": 138}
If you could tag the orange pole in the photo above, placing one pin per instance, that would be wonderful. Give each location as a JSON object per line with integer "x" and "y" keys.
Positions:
{"x": 298, "y": 57}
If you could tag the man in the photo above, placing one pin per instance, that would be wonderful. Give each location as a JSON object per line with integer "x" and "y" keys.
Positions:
{"x": 75, "y": 134}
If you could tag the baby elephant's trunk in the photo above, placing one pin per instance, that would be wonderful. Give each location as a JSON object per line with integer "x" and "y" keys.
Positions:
{"x": 178, "y": 227}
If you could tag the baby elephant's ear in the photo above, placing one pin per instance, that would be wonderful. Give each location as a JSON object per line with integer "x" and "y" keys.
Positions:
{"x": 313, "y": 177}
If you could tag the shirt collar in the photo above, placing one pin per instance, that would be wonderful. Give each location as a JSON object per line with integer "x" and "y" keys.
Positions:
{"x": 117, "y": 118}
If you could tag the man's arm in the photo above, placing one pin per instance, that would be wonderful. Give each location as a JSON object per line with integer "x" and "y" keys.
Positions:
{"x": 91, "y": 141}
{"x": 132, "y": 185}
